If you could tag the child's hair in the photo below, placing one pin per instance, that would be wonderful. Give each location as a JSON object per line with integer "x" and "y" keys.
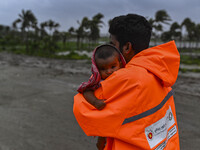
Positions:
{"x": 105, "y": 51}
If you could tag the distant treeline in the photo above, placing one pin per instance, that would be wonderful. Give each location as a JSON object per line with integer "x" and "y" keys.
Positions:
{"x": 27, "y": 35}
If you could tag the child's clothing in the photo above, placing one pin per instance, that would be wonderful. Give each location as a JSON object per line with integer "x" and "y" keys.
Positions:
{"x": 94, "y": 81}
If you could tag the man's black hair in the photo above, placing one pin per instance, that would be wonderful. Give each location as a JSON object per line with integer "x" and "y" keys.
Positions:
{"x": 131, "y": 28}
{"x": 105, "y": 51}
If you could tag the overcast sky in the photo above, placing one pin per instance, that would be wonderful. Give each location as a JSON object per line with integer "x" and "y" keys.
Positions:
{"x": 67, "y": 12}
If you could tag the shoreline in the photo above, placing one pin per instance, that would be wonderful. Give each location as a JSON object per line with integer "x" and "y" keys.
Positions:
{"x": 36, "y": 104}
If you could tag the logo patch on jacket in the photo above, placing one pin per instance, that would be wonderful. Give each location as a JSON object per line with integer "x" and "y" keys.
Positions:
{"x": 158, "y": 131}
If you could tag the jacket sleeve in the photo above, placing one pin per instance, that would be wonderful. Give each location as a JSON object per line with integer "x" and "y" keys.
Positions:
{"x": 106, "y": 122}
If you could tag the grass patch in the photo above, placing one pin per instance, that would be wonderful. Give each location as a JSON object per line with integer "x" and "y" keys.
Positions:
{"x": 193, "y": 50}
{"x": 189, "y": 60}
{"x": 71, "y": 55}
{"x": 184, "y": 70}
{"x": 44, "y": 52}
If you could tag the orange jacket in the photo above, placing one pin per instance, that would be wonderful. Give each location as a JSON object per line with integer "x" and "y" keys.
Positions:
{"x": 140, "y": 111}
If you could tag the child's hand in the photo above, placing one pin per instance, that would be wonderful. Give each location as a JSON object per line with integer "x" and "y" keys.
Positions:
{"x": 101, "y": 143}
{"x": 99, "y": 104}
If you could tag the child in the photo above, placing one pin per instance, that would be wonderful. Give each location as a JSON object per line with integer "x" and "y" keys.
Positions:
{"x": 106, "y": 59}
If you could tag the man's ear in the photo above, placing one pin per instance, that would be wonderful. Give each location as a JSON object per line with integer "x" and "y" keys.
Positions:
{"x": 128, "y": 51}
{"x": 127, "y": 48}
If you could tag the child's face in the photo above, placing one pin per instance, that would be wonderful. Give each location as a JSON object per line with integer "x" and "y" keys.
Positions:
{"x": 108, "y": 66}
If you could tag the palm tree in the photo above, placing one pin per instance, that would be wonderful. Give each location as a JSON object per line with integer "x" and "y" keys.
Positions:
{"x": 161, "y": 17}
{"x": 190, "y": 29}
{"x": 72, "y": 32}
{"x": 52, "y": 26}
{"x": 175, "y": 30}
{"x": 35, "y": 37}
{"x": 48, "y": 31}
{"x": 95, "y": 24}
{"x": 82, "y": 32}
{"x": 4, "y": 30}
{"x": 27, "y": 21}
{"x": 14, "y": 24}
{"x": 43, "y": 32}
{"x": 166, "y": 36}
{"x": 89, "y": 29}
{"x": 174, "y": 33}
{"x": 5, "y": 36}
{"x": 197, "y": 35}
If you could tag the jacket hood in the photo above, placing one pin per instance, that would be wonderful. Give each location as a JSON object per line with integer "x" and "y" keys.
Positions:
{"x": 163, "y": 61}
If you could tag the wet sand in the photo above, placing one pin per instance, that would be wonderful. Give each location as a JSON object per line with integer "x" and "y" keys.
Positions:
{"x": 36, "y": 102}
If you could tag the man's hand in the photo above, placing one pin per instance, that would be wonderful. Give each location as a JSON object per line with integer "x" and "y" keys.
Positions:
{"x": 101, "y": 142}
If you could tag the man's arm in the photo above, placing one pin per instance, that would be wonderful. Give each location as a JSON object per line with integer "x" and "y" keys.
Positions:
{"x": 101, "y": 142}
{"x": 119, "y": 95}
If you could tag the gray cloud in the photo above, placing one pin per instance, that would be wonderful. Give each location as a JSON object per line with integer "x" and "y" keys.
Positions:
{"x": 67, "y": 12}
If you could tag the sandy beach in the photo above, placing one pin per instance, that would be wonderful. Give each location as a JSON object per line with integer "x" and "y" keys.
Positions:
{"x": 36, "y": 104}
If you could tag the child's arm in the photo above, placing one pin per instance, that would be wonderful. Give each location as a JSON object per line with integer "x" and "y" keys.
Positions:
{"x": 91, "y": 98}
